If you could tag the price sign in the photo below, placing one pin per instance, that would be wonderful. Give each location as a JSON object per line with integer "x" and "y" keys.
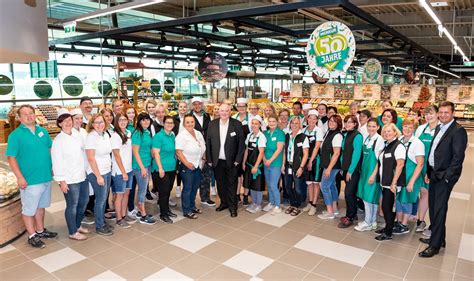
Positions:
{"x": 330, "y": 49}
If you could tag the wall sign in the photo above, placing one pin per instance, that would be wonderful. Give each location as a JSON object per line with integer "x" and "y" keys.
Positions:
{"x": 372, "y": 71}
{"x": 330, "y": 49}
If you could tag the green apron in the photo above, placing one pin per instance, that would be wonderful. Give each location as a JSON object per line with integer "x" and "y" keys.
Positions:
{"x": 368, "y": 192}
{"x": 409, "y": 197}
{"x": 426, "y": 139}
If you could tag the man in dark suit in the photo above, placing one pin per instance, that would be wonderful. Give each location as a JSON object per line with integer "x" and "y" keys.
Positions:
{"x": 225, "y": 145}
{"x": 445, "y": 161}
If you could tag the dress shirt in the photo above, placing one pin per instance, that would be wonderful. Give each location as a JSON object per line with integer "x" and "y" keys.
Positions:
{"x": 223, "y": 127}
{"x": 442, "y": 129}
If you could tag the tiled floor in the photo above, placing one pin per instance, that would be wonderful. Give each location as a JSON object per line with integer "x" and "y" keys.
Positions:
{"x": 249, "y": 247}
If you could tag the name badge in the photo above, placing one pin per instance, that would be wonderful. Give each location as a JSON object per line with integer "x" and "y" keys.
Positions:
{"x": 300, "y": 144}
{"x": 274, "y": 139}
{"x": 253, "y": 144}
{"x": 290, "y": 171}
{"x": 311, "y": 138}
{"x": 40, "y": 134}
{"x": 244, "y": 122}
{"x": 232, "y": 134}
{"x": 388, "y": 155}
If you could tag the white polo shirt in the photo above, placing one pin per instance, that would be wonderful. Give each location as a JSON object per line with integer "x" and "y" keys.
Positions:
{"x": 125, "y": 153}
{"x": 262, "y": 140}
{"x": 417, "y": 148}
{"x": 103, "y": 149}
{"x": 68, "y": 159}
{"x": 193, "y": 148}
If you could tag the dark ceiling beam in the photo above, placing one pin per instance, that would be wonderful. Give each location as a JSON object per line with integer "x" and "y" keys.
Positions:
{"x": 369, "y": 42}
{"x": 360, "y": 13}
{"x": 228, "y": 15}
{"x": 267, "y": 26}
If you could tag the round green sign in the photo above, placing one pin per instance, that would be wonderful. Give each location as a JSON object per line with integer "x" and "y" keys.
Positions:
{"x": 43, "y": 90}
{"x": 104, "y": 87}
{"x": 6, "y": 85}
{"x": 72, "y": 86}
{"x": 155, "y": 85}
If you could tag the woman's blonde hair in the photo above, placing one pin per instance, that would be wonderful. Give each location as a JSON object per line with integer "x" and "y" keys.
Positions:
{"x": 393, "y": 127}
{"x": 94, "y": 117}
{"x": 410, "y": 121}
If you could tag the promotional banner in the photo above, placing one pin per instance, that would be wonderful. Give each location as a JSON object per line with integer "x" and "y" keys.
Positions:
{"x": 372, "y": 71}
{"x": 212, "y": 67}
{"x": 330, "y": 49}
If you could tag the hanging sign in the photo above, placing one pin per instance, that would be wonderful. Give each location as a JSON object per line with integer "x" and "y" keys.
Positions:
{"x": 69, "y": 27}
{"x": 372, "y": 71}
{"x": 212, "y": 67}
{"x": 330, "y": 49}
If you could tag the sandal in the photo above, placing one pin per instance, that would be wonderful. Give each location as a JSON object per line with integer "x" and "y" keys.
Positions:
{"x": 83, "y": 230}
{"x": 295, "y": 212}
{"x": 77, "y": 236}
{"x": 289, "y": 210}
{"x": 196, "y": 211}
{"x": 191, "y": 216}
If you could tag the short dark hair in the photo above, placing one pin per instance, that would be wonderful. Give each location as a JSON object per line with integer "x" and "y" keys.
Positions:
{"x": 366, "y": 112}
{"x": 393, "y": 113}
{"x": 61, "y": 118}
{"x": 85, "y": 98}
{"x": 373, "y": 119}
{"x": 298, "y": 103}
{"x": 330, "y": 107}
{"x": 338, "y": 119}
{"x": 325, "y": 106}
{"x": 25, "y": 106}
{"x": 166, "y": 118}
{"x": 447, "y": 104}
{"x": 142, "y": 116}
{"x": 354, "y": 120}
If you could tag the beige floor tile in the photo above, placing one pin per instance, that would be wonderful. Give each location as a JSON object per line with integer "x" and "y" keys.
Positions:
{"x": 9, "y": 255}
{"x": 240, "y": 239}
{"x": 461, "y": 278}
{"x": 194, "y": 266}
{"x": 388, "y": 265}
{"x": 285, "y": 236}
{"x": 143, "y": 244}
{"x": 328, "y": 233}
{"x": 219, "y": 252}
{"x": 50, "y": 247}
{"x": 301, "y": 259}
{"x": 269, "y": 248}
{"x": 258, "y": 228}
{"x": 302, "y": 226}
{"x": 82, "y": 270}
{"x": 46, "y": 277}
{"x": 122, "y": 236}
{"x": 316, "y": 277}
{"x": 367, "y": 274}
{"x": 418, "y": 272}
{"x": 26, "y": 271}
{"x": 114, "y": 256}
{"x": 167, "y": 254}
{"x": 191, "y": 225}
{"x": 94, "y": 246}
{"x": 147, "y": 228}
{"x": 236, "y": 222}
{"x": 465, "y": 268}
{"x": 442, "y": 262}
{"x": 362, "y": 243}
{"x": 22, "y": 245}
{"x": 137, "y": 269}
{"x": 336, "y": 270}
{"x": 214, "y": 230}
{"x": 13, "y": 261}
{"x": 396, "y": 251}
{"x": 281, "y": 271}
{"x": 169, "y": 233}
{"x": 223, "y": 272}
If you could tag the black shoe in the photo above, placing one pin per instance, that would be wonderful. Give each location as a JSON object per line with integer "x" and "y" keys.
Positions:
{"x": 47, "y": 234}
{"x": 233, "y": 214}
{"x": 36, "y": 242}
{"x": 104, "y": 231}
{"x": 149, "y": 197}
{"x": 166, "y": 219}
{"x": 383, "y": 237}
{"x": 401, "y": 229}
{"x": 171, "y": 214}
{"x": 380, "y": 231}
{"x": 109, "y": 226}
{"x": 245, "y": 202}
{"x": 196, "y": 211}
{"x": 429, "y": 252}
{"x": 428, "y": 240}
{"x": 209, "y": 203}
{"x": 221, "y": 208}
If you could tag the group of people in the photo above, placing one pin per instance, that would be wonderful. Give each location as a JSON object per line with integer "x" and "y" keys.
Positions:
{"x": 392, "y": 167}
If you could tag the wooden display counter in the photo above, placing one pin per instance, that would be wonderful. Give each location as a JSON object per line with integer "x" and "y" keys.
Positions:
{"x": 11, "y": 222}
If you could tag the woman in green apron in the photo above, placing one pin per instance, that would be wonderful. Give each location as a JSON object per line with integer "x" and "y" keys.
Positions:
{"x": 426, "y": 133}
{"x": 253, "y": 165}
{"x": 414, "y": 161}
{"x": 244, "y": 117}
{"x": 369, "y": 189}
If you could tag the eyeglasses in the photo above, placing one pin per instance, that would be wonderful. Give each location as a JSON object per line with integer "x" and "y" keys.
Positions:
{"x": 99, "y": 123}
{"x": 253, "y": 108}
{"x": 123, "y": 120}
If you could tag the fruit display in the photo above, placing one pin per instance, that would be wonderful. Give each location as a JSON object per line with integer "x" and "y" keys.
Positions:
{"x": 8, "y": 184}
{"x": 425, "y": 94}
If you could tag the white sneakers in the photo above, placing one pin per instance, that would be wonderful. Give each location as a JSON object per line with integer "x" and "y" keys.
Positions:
{"x": 312, "y": 210}
{"x": 276, "y": 210}
{"x": 268, "y": 207}
{"x": 178, "y": 191}
{"x": 327, "y": 216}
{"x": 253, "y": 208}
{"x": 307, "y": 208}
{"x": 363, "y": 226}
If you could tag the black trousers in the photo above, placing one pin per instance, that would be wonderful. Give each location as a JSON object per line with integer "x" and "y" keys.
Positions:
{"x": 388, "y": 198}
{"x": 131, "y": 197}
{"x": 205, "y": 185}
{"x": 164, "y": 186}
{"x": 350, "y": 194}
{"x": 338, "y": 182}
{"x": 226, "y": 179}
{"x": 438, "y": 196}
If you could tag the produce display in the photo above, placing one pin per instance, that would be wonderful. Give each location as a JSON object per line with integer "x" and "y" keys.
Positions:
{"x": 8, "y": 184}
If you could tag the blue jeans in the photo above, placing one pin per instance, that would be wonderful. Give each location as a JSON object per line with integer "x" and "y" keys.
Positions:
{"x": 370, "y": 212}
{"x": 191, "y": 181}
{"x": 100, "y": 193}
{"x": 142, "y": 184}
{"x": 76, "y": 203}
{"x": 296, "y": 189}
{"x": 272, "y": 176}
{"x": 328, "y": 188}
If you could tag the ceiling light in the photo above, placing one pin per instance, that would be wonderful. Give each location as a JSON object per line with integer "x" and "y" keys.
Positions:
{"x": 208, "y": 44}
{"x": 214, "y": 27}
{"x": 258, "y": 52}
{"x": 64, "y": 55}
{"x": 235, "y": 48}
{"x": 439, "y": 4}
{"x": 442, "y": 70}
{"x": 427, "y": 74}
{"x": 237, "y": 29}
{"x": 188, "y": 59}
{"x": 135, "y": 44}
{"x": 462, "y": 69}
{"x": 285, "y": 55}
{"x": 105, "y": 43}
{"x": 93, "y": 57}
{"x": 428, "y": 9}
{"x": 163, "y": 36}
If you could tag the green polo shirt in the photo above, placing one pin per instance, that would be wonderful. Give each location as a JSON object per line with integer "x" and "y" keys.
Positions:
{"x": 144, "y": 142}
{"x": 272, "y": 139}
{"x": 166, "y": 144}
{"x": 32, "y": 151}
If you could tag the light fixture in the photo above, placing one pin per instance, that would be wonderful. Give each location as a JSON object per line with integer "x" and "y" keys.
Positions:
{"x": 427, "y": 74}
{"x": 134, "y": 45}
{"x": 235, "y": 48}
{"x": 115, "y": 9}
{"x": 208, "y": 44}
{"x": 462, "y": 69}
{"x": 188, "y": 59}
{"x": 64, "y": 55}
{"x": 237, "y": 28}
{"x": 285, "y": 55}
{"x": 214, "y": 27}
{"x": 105, "y": 43}
{"x": 163, "y": 36}
{"x": 257, "y": 52}
{"x": 442, "y": 29}
{"x": 93, "y": 57}
{"x": 442, "y": 70}
{"x": 439, "y": 4}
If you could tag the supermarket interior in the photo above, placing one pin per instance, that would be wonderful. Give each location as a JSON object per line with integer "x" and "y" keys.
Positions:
{"x": 340, "y": 53}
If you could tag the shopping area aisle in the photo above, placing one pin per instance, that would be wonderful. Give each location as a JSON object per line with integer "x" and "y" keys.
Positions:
{"x": 216, "y": 247}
